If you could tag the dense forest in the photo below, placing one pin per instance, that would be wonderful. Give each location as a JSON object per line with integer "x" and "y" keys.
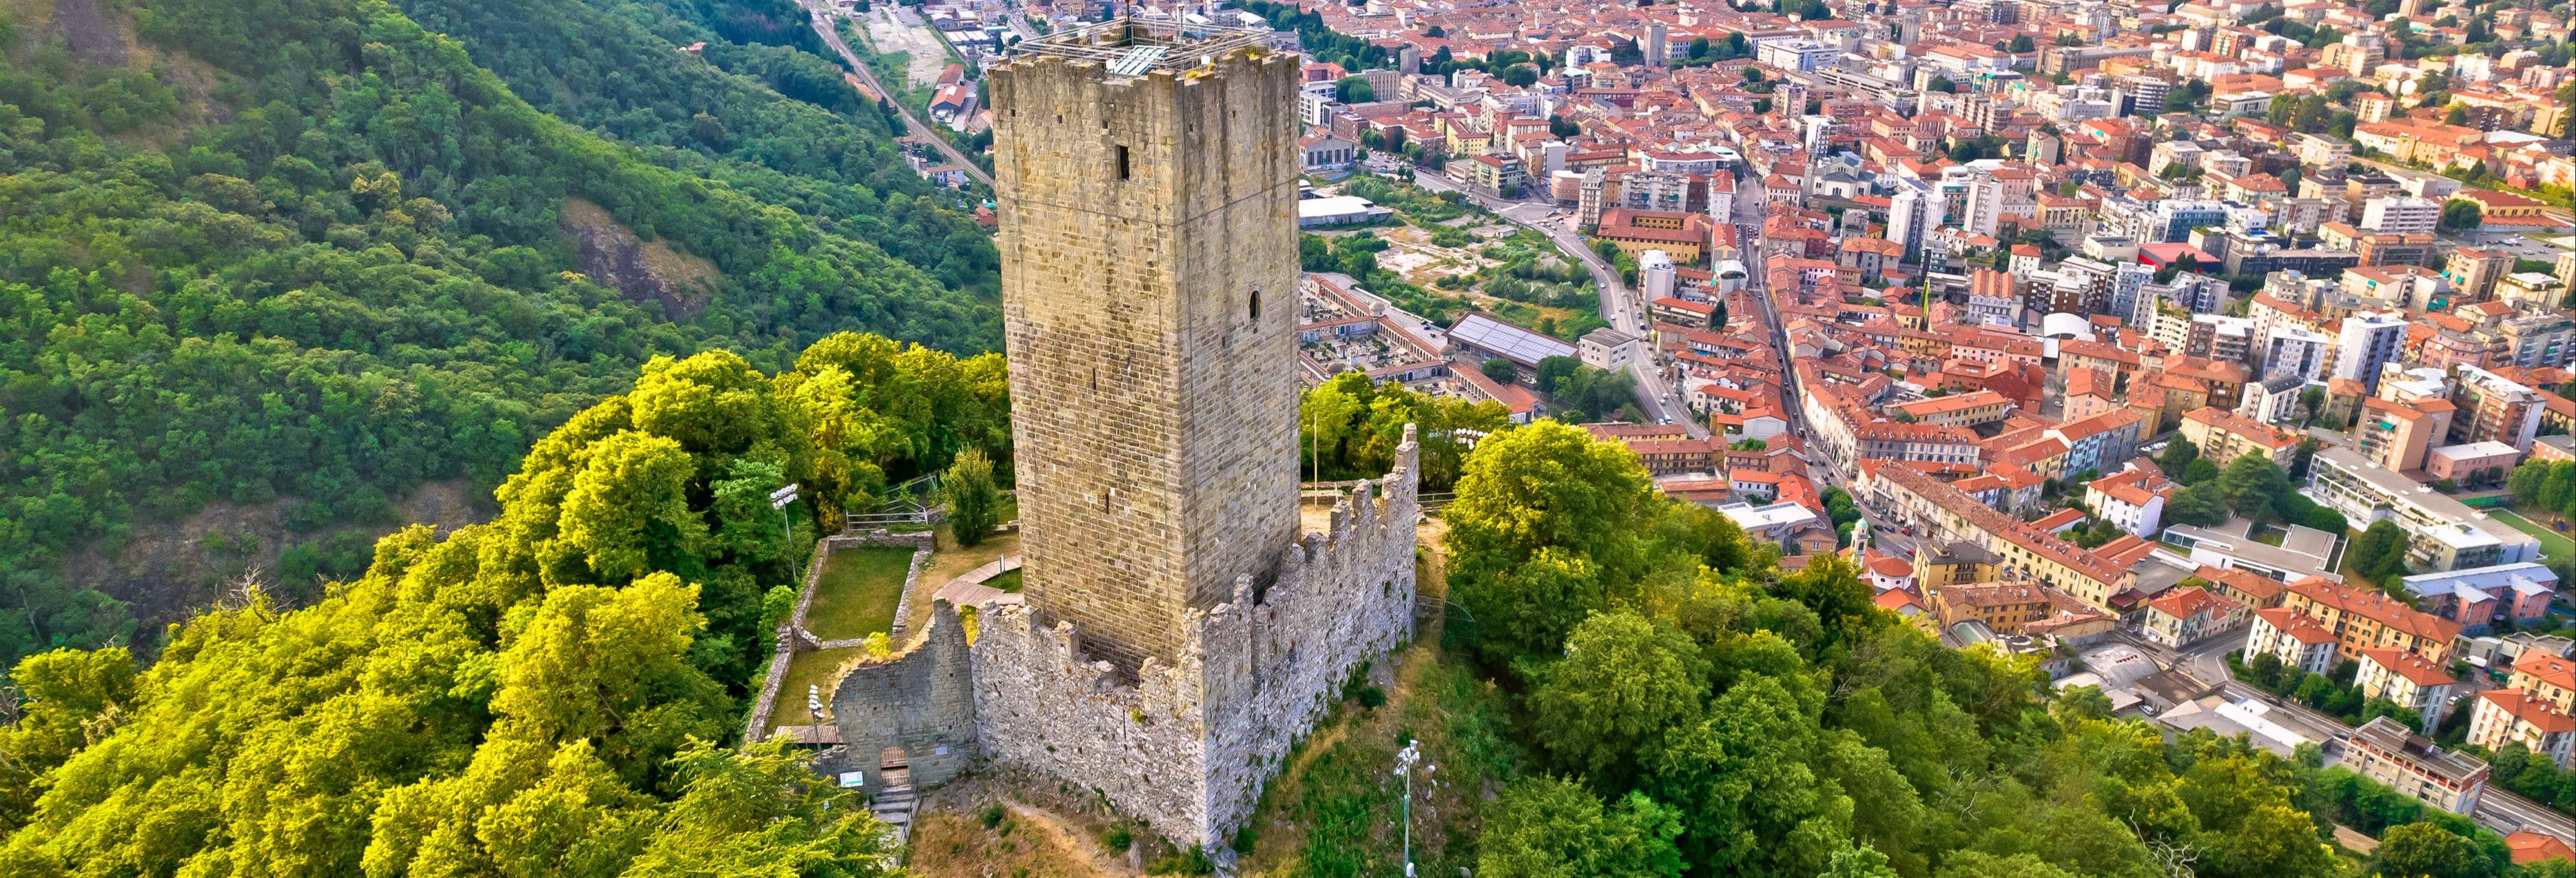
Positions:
{"x": 558, "y": 692}
{"x": 1688, "y": 708}
{"x": 306, "y": 253}
{"x": 550, "y": 693}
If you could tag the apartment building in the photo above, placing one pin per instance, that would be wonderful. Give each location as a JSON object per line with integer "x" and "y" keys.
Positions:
{"x": 1960, "y": 410}
{"x": 2408, "y": 681}
{"x": 2255, "y": 591}
{"x": 2510, "y": 716}
{"x": 2184, "y": 616}
{"x": 2134, "y": 499}
{"x": 2493, "y": 408}
{"x": 2441, "y": 533}
{"x": 2361, "y": 621}
{"x": 1941, "y": 512}
{"x": 2385, "y": 751}
{"x": 2479, "y": 597}
{"x": 2396, "y": 436}
{"x": 2293, "y": 638}
{"x": 2223, "y": 436}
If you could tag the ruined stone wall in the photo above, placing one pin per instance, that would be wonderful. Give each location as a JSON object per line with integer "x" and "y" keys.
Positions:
{"x": 921, "y": 700}
{"x": 1186, "y": 746}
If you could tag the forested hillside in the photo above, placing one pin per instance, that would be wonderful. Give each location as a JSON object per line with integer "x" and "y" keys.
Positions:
{"x": 306, "y": 253}
{"x": 786, "y": 127}
{"x": 552, "y": 693}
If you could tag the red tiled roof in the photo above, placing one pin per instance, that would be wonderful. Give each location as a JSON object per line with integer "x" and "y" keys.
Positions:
{"x": 2184, "y": 603}
{"x": 2298, "y": 627}
{"x": 2523, "y": 706}
{"x": 2547, "y": 668}
{"x": 2410, "y": 666}
{"x": 2378, "y": 608}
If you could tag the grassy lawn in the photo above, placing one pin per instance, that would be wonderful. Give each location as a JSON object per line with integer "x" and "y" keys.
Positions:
{"x": 858, "y": 593}
{"x": 2553, "y": 544}
{"x": 810, "y": 669}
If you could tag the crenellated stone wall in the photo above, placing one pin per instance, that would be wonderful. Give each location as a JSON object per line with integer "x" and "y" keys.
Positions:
{"x": 1186, "y": 746}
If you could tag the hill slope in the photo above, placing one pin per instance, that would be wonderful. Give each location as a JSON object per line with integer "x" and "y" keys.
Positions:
{"x": 305, "y": 251}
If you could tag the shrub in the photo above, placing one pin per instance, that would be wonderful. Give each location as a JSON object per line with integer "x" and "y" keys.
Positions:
{"x": 974, "y": 505}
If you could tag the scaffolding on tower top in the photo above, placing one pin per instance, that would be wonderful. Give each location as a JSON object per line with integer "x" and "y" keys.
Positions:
{"x": 1130, "y": 46}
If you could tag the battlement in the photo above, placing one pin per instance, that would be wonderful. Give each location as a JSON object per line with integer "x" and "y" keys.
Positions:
{"x": 1127, "y": 47}
{"x": 1186, "y": 745}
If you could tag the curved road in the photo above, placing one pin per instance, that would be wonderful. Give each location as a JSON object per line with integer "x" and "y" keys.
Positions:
{"x": 1621, "y": 307}
{"x": 822, "y": 20}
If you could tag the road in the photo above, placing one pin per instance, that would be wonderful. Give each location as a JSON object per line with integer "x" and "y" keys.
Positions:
{"x": 823, "y": 21}
{"x": 1623, "y": 308}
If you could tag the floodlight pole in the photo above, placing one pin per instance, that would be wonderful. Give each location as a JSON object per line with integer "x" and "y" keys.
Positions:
{"x": 1404, "y": 760}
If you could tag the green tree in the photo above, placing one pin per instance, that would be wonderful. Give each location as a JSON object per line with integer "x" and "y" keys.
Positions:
{"x": 2460, "y": 216}
{"x": 2200, "y": 505}
{"x": 974, "y": 502}
{"x": 2426, "y": 850}
{"x": 1534, "y": 488}
{"x": 2560, "y": 489}
{"x": 2177, "y": 457}
{"x": 2526, "y": 481}
{"x": 1978, "y": 864}
{"x": 1544, "y": 826}
{"x": 760, "y": 810}
{"x": 1555, "y": 369}
{"x": 1624, "y": 682}
{"x": 2380, "y": 552}
{"x": 1750, "y": 804}
{"x": 1354, "y": 90}
{"x": 2253, "y": 485}
{"x": 2084, "y": 702}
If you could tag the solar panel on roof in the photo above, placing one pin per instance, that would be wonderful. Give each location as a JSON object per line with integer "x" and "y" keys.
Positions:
{"x": 1135, "y": 62}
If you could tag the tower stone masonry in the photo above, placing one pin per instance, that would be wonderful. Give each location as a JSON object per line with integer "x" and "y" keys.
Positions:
{"x": 1175, "y": 635}
{"x": 1149, "y": 283}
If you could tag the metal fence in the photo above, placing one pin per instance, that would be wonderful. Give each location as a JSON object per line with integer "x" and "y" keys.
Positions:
{"x": 911, "y": 504}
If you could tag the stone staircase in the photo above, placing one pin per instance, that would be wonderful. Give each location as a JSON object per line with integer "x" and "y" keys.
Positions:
{"x": 894, "y": 804}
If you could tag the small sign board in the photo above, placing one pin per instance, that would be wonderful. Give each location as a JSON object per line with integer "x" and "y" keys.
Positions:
{"x": 852, "y": 779}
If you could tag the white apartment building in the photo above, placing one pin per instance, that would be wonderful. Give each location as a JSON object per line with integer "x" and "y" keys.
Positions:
{"x": 2365, "y": 342}
{"x": 2401, "y": 215}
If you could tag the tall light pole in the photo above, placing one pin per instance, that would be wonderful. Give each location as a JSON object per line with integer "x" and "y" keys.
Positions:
{"x": 778, "y": 500}
{"x": 1404, "y": 760}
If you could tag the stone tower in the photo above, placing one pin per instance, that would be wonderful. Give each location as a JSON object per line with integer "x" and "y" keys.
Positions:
{"x": 1147, "y": 190}
{"x": 1177, "y": 634}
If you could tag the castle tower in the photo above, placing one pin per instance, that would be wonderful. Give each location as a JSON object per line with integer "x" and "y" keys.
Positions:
{"x": 1146, "y": 176}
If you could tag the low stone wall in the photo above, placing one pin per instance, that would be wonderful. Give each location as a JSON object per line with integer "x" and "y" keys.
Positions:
{"x": 791, "y": 637}
{"x": 786, "y": 639}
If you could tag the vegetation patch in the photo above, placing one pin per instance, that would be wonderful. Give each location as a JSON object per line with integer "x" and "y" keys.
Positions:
{"x": 858, "y": 592}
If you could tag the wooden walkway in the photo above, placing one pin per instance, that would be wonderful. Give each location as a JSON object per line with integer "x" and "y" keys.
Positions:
{"x": 969, "y": 590}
